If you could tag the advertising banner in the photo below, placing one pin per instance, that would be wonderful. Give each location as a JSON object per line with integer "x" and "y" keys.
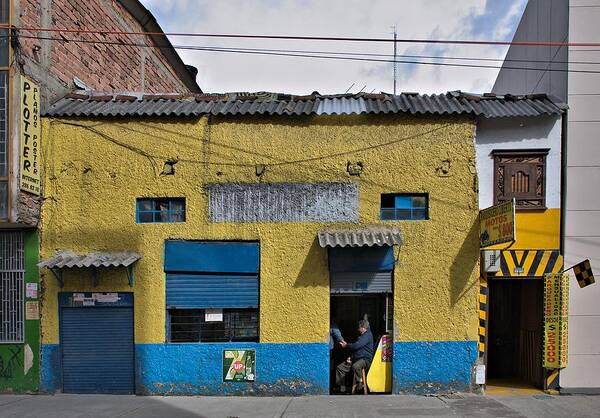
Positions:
{"x": 239, "y": 365}
{"x": 497, "y": 224}
{"x": 556, "y": 323}
{"x": 30, "y": 129}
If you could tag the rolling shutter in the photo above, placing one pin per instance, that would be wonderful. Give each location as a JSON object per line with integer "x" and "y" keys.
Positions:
{"x": 98, "y": 350}
{"x": 361, "y": 269}
{"x": 211, "y": 274}
{"x": 361, "y": 282}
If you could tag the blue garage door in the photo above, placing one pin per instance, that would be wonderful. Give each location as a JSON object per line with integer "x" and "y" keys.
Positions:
{"x": 98, "y": 350}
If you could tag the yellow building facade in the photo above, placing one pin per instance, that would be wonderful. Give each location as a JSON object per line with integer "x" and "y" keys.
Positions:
{"x": 96, "y": 169}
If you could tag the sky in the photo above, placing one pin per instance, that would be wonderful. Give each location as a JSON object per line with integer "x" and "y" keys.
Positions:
{"x": 425, "y": 19}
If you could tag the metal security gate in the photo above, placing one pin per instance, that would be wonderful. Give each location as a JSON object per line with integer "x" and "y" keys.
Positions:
{"x": 12, "y": 273}
{"x": 96, "y": 331}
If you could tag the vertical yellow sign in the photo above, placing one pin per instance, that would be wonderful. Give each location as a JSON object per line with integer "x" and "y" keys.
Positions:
{"x": 556, "y": 322}
{"x": 30, "y": 129}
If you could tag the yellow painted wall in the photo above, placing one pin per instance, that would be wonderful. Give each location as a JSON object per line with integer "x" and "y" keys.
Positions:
{"x": 538, "y": 230}
{"x": 95, "y": 169}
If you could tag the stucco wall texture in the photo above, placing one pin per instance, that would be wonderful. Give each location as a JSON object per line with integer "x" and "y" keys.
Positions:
{"x": 95, "y": 170}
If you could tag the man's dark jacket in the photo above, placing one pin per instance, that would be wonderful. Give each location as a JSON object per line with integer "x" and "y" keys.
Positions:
{"x": 363, "y": 347}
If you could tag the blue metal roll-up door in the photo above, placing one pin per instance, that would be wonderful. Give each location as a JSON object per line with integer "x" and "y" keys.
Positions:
{"x": 201, "y": 291}
{"x": 97, "y": 349}
{"x": 212, "y": 274}
{"x": 361, "y": 269}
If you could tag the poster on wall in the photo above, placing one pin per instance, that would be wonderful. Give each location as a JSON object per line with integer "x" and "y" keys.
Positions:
{"x": 30, "y": 129}
{"x": 497, "y": 224}
{"x": 32, "y": 311}
{"x": 239, "y": 365}
{"x": 556, "y": 320}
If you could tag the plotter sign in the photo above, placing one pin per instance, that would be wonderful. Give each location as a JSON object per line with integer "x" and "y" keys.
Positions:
{"x": 30, "y": 137}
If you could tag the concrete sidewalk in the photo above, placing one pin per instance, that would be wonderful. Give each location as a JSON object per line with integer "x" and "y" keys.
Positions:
{"x": 460, "y": 405}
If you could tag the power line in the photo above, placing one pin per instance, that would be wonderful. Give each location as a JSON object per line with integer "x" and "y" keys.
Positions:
{"x": 267, "y": 52}
{"x": 329, "y": 52}
{"x": 303, "y": 38}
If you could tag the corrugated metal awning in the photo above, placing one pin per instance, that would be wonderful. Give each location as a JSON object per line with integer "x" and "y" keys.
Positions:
{"x": 68, "y": 259}
{"x": 365, "y": 237}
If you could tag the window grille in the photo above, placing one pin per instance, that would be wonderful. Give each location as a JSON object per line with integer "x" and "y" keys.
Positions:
{"x": 11, "y": 287}
{"x": 189, "y": 325}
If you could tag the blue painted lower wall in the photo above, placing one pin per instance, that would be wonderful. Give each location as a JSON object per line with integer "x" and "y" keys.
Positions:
{"x": 433, "y": 366}
{"x": 192, "y": 369}
{"x": 281, "y": 369}
{"x": 50, "y": 368}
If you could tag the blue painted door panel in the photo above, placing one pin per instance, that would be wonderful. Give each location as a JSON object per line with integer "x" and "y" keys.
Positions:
{"x": 212, "y": 291}
{"x": 97, "y": 350}
{"x": 211, "y": 257}
{"x": 361, "y": 259}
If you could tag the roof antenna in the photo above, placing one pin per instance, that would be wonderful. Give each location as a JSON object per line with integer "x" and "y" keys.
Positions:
{"x": 395, "y": 56}
{"x": 350, "y": 88}
{"x": 364, "y": 87}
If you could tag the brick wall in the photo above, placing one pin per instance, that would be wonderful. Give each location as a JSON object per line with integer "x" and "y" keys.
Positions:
{"x": 103, "y": 67}
{"x": 100, "y": 66}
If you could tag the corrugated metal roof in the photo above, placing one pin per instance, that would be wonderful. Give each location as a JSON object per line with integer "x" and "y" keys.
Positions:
{"x": 366, "y": 237}
{"x": 68, "y": 259}
{"x": 239, "y": 104}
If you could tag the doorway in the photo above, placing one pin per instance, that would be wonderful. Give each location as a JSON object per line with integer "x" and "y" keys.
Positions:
{"x": 515, "y": 333}
{"x": 348, "y": 309}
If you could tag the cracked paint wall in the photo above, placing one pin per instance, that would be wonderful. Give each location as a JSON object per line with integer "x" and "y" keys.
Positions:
{"x": 96, "y": 168}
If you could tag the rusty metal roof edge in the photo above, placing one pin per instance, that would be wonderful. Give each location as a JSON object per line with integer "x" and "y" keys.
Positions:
{"x": 452, "y": 103}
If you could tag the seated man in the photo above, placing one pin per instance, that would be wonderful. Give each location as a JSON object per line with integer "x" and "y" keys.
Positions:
{"x": 360, "y": 358}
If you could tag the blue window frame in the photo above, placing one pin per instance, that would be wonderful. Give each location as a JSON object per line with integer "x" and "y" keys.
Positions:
{"x": 404, "y": 206}
{"x": 160, "y": 210}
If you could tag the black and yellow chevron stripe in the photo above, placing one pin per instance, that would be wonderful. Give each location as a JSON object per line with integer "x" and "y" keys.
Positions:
{"x": 552, "y": 379}
{"x": 483, "y": 301}
{"x": 529, "y": 263}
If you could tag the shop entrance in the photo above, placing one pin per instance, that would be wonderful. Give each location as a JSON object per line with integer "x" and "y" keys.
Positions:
{"x": 347, "y": 310}
{"x": 361, "y": 288}
{"x": 515, "y": 333}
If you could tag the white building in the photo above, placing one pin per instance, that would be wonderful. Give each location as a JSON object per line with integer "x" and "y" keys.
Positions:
{"x": 575, "y": 21}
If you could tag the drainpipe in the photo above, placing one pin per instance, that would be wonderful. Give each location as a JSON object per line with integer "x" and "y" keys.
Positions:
{"x": 563, "y": 180}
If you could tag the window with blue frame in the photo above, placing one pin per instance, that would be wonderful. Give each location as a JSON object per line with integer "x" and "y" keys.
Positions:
{"x": 160, "y": 210}
{"x": 404, "y": 206}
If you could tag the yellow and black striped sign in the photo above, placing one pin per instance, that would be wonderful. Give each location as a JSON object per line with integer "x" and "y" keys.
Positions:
{"x": 483, "y": 301}
{"x": 529, "y": 263}
{"x": 583, "y": 273}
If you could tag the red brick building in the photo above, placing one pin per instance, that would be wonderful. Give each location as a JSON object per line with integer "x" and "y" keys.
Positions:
{"x": 61, "y": 61}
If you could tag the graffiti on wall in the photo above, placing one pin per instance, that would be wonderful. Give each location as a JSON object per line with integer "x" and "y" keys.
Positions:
{"x": 9, "y": 362}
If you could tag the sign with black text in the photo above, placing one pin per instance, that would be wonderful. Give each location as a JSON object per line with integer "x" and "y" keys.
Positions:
{"x": 30, "y": 129}
{"x": 497, "y": 224}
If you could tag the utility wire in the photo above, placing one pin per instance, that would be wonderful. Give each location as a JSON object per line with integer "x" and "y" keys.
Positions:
{"x": 313, "y": 55}
{"x": 365, "y": 54}
{"x": 303, "y": 38}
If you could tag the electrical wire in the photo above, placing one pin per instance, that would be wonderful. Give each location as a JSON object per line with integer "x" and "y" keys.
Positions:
{"x": 303, "y": 38}
{"x": 258, "y": 51}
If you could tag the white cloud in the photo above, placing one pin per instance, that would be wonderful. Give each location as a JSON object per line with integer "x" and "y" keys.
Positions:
{"x": 344, "y": 18}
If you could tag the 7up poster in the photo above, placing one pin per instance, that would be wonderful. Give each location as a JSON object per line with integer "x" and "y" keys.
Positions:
{"x": 239, "y": 365}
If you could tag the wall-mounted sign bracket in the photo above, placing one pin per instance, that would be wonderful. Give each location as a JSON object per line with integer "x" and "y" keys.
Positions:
{"x": 58, "y": 274}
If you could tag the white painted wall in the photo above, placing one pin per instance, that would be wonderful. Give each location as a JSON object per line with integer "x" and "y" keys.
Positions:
{"x": 518, "y": 133}
{"x": 582, "y": 229}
